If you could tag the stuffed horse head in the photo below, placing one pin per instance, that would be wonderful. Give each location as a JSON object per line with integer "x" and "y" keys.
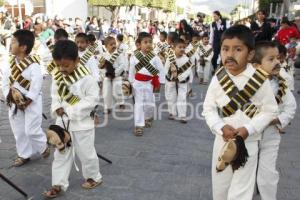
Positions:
{"x": 233, "y": 153}
{"x": 126, "y": 88}
{"x": 58, "y": 137}
{"x": 18, "y": 97}
{"x": 173, "y": 70}
{"x": 15, "y": 97}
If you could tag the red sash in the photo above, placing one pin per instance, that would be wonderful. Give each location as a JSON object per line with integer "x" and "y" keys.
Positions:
{"x": 154, "y": 79}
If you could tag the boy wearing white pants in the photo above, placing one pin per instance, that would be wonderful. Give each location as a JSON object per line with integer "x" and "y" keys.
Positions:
{"x": 178, "y": 70}
{"x": 144, "y": 67}
{"x": 113, "y": 66}
{"x": 23, "y": 76}
{"x": 75, "y": 93}
{"x": 205, "y": 66}
{"x": 267, "y": 175}
{"x": 239, "y": 102}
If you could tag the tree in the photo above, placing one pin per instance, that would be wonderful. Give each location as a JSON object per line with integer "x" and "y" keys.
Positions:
{"x": 1, "y": 2}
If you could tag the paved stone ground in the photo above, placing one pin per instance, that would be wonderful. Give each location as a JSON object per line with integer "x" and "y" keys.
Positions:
{"x": 170, "y": 162}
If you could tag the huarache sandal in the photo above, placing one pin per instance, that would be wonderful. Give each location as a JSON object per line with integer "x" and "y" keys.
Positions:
{"x": 138, "y": 131}
{"x": 148, "y": 123}
{"x": 53, "y": 192}
{"x": 90, "y": 184}
{"x": 19, "y": 161}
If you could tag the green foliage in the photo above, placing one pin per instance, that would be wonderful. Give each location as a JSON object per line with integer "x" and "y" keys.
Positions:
{"x": 1, "y": 2}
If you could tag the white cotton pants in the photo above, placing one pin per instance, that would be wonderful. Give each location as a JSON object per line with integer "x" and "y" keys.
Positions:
{"x": 144, "y": 102}
{"x": 267, "y": 175}
{"x": 83, "y": 146}
{"x": 204, "y": 72}
{"x": 27, "y": 130}
{"x": 177, "y": 104}
{"x": 237, "y": 185}
{"x": 112, "y": 92}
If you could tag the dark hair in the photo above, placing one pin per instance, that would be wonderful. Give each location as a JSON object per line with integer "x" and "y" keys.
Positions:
{"x": 25, "y": 38}
{"x": 83, "y": 36}
{"x": 173, "y": 36}
{"x": 259, "y": 50}
{"x": 65, "y": 49}
{"x": 108, "y": 39}
{"x": 143, "y": 35}
{"x": 187, "y": 37}
{"x": 282, "y": 49}
{"x": 178, "y": 41}
{"x": 262, "y": 11}
{"x": 241, "y": 32}
{"x": 60, "y": 33}
{"x": 285, "y": 20}
{"x": 205, "y": 35}
{"x": 164, "y": 33}
{"x": 91, "y": 37}
{"x": 216, "y": 12}
{"x": 120, "y": 37}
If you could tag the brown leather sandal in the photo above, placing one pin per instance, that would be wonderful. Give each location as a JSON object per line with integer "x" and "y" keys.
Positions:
{"x": 148, "y": 123}
{"x": 138, "y": 131}
{"x": 90, "y": 183}
{"x": 53, "y": 192}
{"x": 19, "y": 161}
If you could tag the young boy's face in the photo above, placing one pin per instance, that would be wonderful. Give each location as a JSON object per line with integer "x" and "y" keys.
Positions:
{"x": 67, "y": 66}
{"x": 235, "y": 55}
{"x": 146, "y": 44}
{"x": 179, "y": 49}
{"x": 111, "y": 46}
{"x": 15, "y": 49}
{"x": 270, "y": 62}
{"x": 282, "y": 57}
{"x": 162, "y": 38}
{"x": 195, "y": 39}
{"x": 82, "y": 44}
{"x": 205, "y": 40}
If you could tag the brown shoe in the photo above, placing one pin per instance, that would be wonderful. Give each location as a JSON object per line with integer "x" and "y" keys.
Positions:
{"x": 138, "y": 131}
{"x": 53, "y": 192}
{"x": 90, "y": 183}
{"x": 19, "y": 161}
{"x": 46, "y": 153}
{"x": 148, "y": 123}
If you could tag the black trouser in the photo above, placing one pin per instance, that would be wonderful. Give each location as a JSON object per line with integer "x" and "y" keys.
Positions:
{"x": 214, "y": 60}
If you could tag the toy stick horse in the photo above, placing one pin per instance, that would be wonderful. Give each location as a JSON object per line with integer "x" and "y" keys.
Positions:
{"x": 233, "y": 153}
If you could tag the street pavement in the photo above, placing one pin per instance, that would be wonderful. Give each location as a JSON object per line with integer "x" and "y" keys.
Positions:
{"x": 172, "y": 161}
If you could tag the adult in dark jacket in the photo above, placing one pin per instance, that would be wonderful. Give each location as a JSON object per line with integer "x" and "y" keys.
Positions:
{"x": 216, "y": 30}
{"x": 261, "y": 28}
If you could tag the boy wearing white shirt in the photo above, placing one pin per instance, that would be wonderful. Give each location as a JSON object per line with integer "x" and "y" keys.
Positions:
{"x": 178, "y": 69}
{"x": 74, "y": 94}
{"x": 144, "y": 67}
{"x": 266, "y": 58}
{"x": 86, "y": 56}
{"x": 23, "y": 76}
{"x": 112, "y": 66}
{"x": 239, "y": 103}
{"x": 205, "y": 66}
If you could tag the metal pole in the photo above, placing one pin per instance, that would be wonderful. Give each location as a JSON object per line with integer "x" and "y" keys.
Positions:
{"x": 12, "y": 11}
{"x": 20, "y": 14}
{"x": 271, "y": 10}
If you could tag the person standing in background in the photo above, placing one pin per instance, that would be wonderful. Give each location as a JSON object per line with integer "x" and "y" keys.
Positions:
{"x": 216, "y": 30}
